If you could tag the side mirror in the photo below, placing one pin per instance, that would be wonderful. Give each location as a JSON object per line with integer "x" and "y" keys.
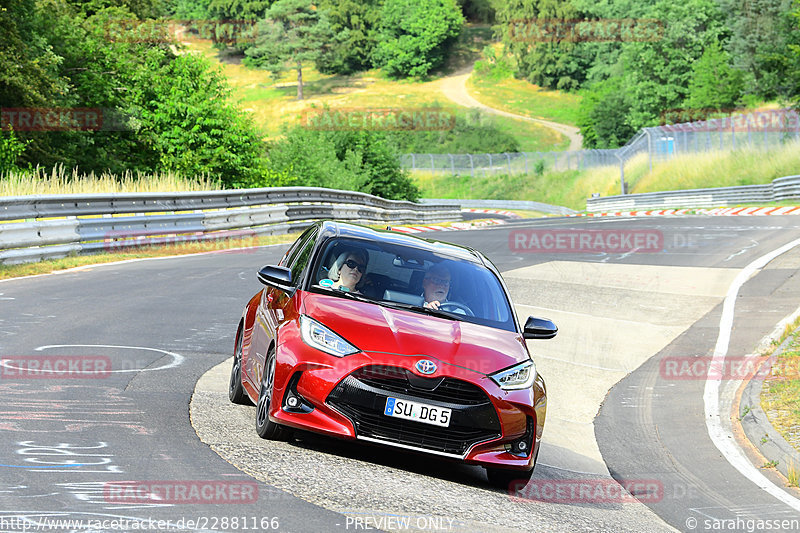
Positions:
{"x": 276, "y": 276}
{"x": 539, "y": 328}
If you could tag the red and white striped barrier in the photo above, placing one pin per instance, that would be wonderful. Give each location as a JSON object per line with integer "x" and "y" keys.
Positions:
{"x": 452, "y": 227}
{"x": 719, "y": 211}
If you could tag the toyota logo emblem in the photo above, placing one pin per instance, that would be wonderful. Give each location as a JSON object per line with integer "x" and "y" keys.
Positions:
{"x": 426, "y": 366}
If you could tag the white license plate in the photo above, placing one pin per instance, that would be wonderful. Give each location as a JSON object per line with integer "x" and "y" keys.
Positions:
{"x": 419, "y": 412}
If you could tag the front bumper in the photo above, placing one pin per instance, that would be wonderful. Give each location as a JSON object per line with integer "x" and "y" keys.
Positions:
{"x": 348, "y": 396}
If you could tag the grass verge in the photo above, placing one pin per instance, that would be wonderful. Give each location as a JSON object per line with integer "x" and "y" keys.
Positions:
{"x": 571, "y": 188}
{"x": 780, "y": 394}
{"x": 61, "y": 181}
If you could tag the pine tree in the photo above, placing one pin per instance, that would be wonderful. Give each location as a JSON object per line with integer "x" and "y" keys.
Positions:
{"x": 294, "y": 32}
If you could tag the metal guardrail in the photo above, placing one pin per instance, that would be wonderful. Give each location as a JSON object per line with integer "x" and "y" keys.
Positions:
{"x": 44, "y": 227}
{"x": 503, "y": 204}
{"x": 780, "y": 189}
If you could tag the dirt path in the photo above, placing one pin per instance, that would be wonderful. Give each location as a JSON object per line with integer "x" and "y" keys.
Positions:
{"x": 455, "y": 88}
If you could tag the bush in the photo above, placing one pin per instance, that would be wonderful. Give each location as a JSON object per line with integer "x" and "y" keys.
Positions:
{"x": 11, "y": 148}
{"x": 603, "y": 115}
{"x": 352, "y": 160}
{"x": 187, "y": 116}
{"x": 474, "y": 133}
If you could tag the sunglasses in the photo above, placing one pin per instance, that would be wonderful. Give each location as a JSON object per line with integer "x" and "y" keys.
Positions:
{"x": 354, "y": 264}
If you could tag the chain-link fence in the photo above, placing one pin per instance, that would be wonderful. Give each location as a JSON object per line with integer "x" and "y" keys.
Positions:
{"x": 762, "y": 130}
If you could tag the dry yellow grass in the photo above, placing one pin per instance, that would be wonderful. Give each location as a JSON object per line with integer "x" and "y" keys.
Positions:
{"x": 721, "y": 169}
{"x": 61, "y": 181}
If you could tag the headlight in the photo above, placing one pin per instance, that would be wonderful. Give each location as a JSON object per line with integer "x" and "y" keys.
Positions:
{"x": 517, "y": 377}
{"x": 321, "y": 338}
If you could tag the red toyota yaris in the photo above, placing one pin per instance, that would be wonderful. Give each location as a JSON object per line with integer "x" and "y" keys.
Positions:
{"x": 394, "y": 340}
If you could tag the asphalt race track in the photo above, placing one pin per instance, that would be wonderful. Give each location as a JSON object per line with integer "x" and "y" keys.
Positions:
{"x": 117, "y": 444}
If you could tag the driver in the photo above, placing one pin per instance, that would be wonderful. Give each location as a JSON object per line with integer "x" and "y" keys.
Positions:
{"x": 436, "y": 286}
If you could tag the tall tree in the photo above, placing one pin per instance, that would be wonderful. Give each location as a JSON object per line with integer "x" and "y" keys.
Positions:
{"x": 232, "y": 22}
{"x": 294, "y": 32}
{"x": 532, "y": 31}
{"x": 657, "y": 73}
{"x": 355, "y": 25}
{"x": 714, "y": 83}
{"x": 416, "y": 35}
{"x": 763, "y": 33}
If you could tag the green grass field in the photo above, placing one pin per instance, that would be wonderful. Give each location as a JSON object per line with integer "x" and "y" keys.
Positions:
{"x": 273, "y": 102}
{"x": 523, "y": 98}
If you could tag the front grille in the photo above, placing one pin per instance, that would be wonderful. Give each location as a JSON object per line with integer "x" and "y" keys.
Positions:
{"x": 362, "y": 395}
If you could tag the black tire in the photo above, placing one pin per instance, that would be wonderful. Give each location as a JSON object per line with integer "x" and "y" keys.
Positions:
{"x": 508, "y": 480}
{"x": 266, "y": 428}
{"x": 236, "y": 393}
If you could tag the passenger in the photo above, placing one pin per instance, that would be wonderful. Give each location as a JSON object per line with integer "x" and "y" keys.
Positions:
{"x": 348, "y": 269}
{"x": 436, "y": 286}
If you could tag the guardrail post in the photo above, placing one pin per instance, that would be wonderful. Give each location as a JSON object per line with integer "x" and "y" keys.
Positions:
{"x": 508, "y": 159}
{"x": 471, "y": 166}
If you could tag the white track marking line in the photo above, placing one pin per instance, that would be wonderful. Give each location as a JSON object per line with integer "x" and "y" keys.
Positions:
{"x": 722, "y": 438}
{"x": 177, "y": 359}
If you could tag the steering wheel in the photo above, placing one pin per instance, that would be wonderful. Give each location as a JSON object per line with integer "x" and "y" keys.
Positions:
{"x": 456, "y": 306}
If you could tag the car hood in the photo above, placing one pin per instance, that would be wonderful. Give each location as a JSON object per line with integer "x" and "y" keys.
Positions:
{"x": 377, "y": 329}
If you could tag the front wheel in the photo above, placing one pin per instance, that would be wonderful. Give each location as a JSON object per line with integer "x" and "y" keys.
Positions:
{"x": 266, "y": 428}
{"x": 236, "y": 393}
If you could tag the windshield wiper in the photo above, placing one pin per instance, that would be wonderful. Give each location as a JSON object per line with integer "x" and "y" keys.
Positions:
{"x": 347, "y": 294}
{"x": 427, "y": 310}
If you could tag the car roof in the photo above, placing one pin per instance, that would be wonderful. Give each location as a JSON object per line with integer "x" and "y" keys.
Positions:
{"x": 331, "y": 228}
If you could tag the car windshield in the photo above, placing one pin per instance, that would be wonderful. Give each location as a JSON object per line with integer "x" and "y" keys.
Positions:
{"x": 406, "y": 277}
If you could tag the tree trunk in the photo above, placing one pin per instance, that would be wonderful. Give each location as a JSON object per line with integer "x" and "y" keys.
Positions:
{"x": 299, "y": 81}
